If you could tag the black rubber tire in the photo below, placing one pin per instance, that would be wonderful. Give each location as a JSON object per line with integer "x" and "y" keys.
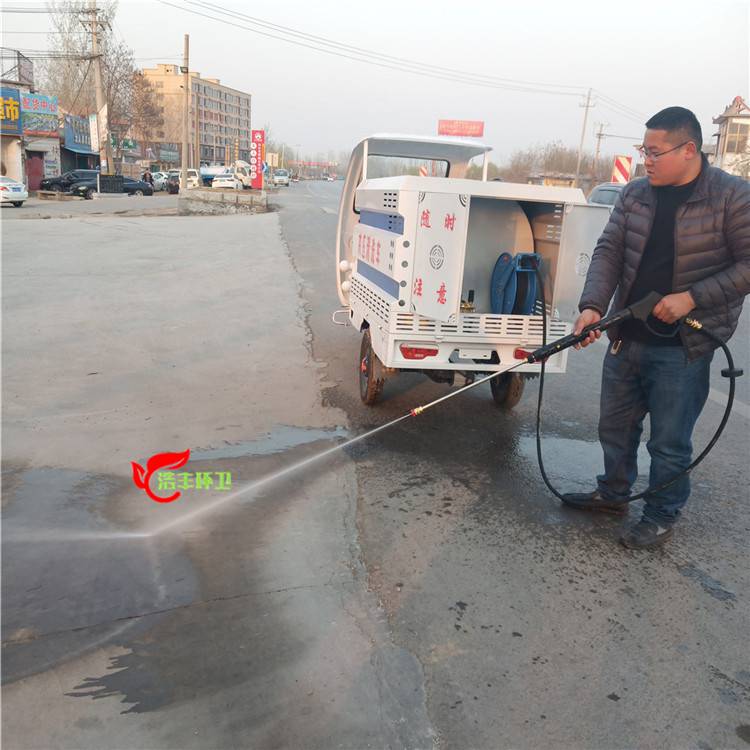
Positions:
{"x": 370, "y": 388}
{"x": 89, "y": 194}
{"x": 56, "y": 188}
{"x": 507, "y": 389}
{"x": 138, "y": 192}
{"x": 18, "y": 204}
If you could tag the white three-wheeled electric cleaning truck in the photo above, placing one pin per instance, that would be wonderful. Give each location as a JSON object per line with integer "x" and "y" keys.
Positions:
{"x": 441, "y": 273}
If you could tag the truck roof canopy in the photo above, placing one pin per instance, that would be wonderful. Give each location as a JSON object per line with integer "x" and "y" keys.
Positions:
{"x": 424, "y": 147}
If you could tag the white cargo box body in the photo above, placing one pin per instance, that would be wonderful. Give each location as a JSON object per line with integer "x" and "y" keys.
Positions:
{"x": 416, "y": 256}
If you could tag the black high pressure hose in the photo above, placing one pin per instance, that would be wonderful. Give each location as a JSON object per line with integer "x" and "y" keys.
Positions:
{"x": 730, "y": 372}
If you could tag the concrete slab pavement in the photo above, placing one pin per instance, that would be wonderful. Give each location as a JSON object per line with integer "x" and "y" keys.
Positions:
{"x": 252, "y": 625}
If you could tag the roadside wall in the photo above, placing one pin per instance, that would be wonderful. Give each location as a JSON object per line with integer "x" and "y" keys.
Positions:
{"x": 199, "y": 201}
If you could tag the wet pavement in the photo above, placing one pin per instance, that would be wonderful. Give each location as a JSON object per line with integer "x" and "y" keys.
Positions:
{"x": 235, "y": 617}
{"x": 533, "y": 626}
{"x": 416, "y": 588}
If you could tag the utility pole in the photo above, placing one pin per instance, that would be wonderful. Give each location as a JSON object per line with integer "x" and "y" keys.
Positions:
{"x": 102, "y": 126}
{"x": 197, "y": 141}
{"x": 599, "y": 136}
{"x": 587, "y": 106}
{"x": 185, "y": 70}
{"x": 283, "y": 151}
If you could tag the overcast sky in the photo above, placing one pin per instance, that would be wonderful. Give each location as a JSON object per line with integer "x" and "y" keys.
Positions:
{"x": 643, "y": 55}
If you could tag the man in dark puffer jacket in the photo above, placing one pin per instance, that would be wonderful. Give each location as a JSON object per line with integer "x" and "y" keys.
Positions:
{"x": 683, "y": 231}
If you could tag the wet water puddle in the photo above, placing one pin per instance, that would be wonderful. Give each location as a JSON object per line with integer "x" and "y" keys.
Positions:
{"x": 281, "y": 438}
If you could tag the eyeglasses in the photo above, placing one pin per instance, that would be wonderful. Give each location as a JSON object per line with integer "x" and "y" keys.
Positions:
{"x": 655, "y": 155}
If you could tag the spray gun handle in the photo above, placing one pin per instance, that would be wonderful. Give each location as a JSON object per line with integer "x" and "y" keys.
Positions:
{"x": 638, "y": 311}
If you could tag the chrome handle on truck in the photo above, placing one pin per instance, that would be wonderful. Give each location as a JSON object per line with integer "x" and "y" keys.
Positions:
{"x": 344, "y": 310}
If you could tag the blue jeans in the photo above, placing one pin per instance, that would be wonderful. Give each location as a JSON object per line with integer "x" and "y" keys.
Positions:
{"x": 643, "y": 379}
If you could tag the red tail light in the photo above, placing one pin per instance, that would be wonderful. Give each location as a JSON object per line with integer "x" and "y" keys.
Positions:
{"x": 3, "y": 188}
{"x": 417, "y": 352}
{"x": 520, "y": 354}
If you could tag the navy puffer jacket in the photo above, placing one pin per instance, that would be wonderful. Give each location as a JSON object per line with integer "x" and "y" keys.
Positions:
{"x": 712, "y": 253}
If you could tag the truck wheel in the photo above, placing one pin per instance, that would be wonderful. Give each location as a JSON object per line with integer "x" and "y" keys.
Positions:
{"x": 507, "y": 389}
{"x": 370, "y": 386}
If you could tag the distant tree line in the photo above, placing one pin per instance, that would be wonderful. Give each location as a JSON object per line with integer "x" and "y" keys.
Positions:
{"x": 548, "y": 158}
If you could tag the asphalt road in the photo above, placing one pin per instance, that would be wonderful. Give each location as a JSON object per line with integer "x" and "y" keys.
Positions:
{"x": 418, "y": 589}
{"x": 532, "y": 625}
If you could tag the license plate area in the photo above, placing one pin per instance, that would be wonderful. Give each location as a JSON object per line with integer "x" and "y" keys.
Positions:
{"x": 475, "y": 353}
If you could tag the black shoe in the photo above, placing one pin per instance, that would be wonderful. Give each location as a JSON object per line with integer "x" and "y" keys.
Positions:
{"x": 594, "y": 501}
{"x": 646, "y": 534}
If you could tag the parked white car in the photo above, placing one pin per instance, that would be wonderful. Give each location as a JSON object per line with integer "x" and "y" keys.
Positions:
{"x": 193, "y": 178}
{"x": 12, "y": 192}
{"x": 227, "y": 181}
{"x": 160, "y": 180}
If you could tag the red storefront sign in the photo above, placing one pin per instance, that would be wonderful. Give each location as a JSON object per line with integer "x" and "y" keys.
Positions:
{"x": 257, "y": 153}
{"x": 471, "y": 128}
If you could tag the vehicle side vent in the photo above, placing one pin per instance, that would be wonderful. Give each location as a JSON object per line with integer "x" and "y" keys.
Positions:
{"x": 370, "y": 299}
{"x": 390, "y": 200}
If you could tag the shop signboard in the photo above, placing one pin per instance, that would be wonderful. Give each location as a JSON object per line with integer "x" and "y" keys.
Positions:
{"x": 470, "y": 128}
{"x": 130, "y": 147}
{"x": 94, "y": 133}
{"x": 169, "y": 153}
{"x": 39, "y": 115}
{"x": 10, "y": 111}
{"x": 77, "y": 134}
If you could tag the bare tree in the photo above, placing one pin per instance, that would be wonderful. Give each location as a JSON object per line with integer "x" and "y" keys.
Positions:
{"x": 69, "y": 76}
{"x": 146, "y": 119}
{"x": 554, "y": 158}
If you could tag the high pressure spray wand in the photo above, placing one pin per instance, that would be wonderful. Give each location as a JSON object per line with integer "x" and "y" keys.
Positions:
{"x": 638, "y": 311}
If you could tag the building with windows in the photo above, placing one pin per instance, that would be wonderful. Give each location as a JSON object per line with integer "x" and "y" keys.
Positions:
{"x": 219, "y": 130}
{"x": 732, "y": 151}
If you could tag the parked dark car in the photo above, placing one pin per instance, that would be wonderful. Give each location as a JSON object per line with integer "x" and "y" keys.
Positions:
{"x": 173, "y": 183}
{"x": 87, "y": 188}
{"x": 65, "y": 182}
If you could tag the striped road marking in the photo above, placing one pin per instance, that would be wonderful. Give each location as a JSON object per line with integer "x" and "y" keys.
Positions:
{"x": 738, "y": 406}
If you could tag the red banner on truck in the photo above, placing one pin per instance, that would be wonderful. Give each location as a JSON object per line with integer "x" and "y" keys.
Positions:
{"x": 471, "y": 128}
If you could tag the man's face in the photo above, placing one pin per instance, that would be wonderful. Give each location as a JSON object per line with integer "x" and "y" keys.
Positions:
{"x": 673, "y": 168}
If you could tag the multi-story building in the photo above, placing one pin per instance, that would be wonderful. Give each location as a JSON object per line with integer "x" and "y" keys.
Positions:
{"x": 219, "y": 116}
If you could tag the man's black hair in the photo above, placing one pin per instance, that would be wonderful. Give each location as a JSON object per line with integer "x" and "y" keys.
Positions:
{"x": 678, "y": 118}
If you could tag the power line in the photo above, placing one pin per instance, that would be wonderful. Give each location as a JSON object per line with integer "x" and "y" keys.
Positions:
{"x": 621, "y": 113}
{"x": 80, "y": 88}
{"x": 373, "y": 58}
{"x": 621, "y": 108}
{"x": 254, "y": 20}
{"x": 332, "y": 47}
